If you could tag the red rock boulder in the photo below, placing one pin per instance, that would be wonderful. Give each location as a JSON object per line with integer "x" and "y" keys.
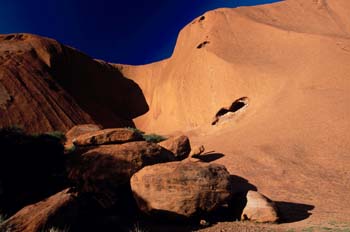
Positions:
{"x": 181, "y": 189}
{"x": 104, "y": 170}
{"x": 107, "y": 136}
{"x": 78, "y": 130}
{"x": 179, "y": 145}
{"x": 259, "y": 209}
{"x": 58, "y": 210}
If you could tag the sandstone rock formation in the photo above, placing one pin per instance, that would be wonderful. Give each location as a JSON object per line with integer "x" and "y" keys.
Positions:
{"x": 107, "y": 136}
{"x": 249, "y": 55}
{"x": 107, "y": 169}
{"x": 59, "y": 209}
{"x": 41, "y": 87}
{"x": 181, "y": 189}
{"x": 78, "y": 130}
{"x": 179, "y": 145}
{"x": 291, "y": 59}
{"x": 259, "y": 209}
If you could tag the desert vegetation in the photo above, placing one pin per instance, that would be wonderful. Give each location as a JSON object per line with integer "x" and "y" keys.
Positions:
{"x": 2, "y": 218}
{"x": 154, "y": 138}
{"x": 55, "y": 229}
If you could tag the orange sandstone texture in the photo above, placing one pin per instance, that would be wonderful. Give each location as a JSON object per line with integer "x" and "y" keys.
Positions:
{"x": 291, "y": 61}
{"x": 45, "y": 86}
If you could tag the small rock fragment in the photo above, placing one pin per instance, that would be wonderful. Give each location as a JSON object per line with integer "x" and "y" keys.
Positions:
{"x": 259, "y": 209}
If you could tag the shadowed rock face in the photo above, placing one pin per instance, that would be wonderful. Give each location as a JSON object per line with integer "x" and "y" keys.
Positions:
{"x": 79, "y": 130}
{"x": 31, "y": 168}
{"x": 59, "y": 209}
{"x": 46, "y": 86}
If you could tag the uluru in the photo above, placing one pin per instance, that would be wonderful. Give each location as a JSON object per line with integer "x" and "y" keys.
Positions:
{"x": 244, "y": 127}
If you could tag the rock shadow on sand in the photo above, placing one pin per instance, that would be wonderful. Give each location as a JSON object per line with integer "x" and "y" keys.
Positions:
{"x": 210, "y": 157}
{"x": 288, "y": 211}
{"x": 293, "y": 212}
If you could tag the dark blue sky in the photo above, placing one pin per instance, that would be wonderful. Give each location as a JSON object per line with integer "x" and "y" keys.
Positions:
{"x": 119, "y": 31}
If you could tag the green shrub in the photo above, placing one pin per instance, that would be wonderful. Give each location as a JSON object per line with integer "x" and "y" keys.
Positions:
{"x": 138, "y": 131}
{"x": 71, "y": 149}
{"x": 137, "y": 228}
{"x": 58, "y": 135}
{"x": 13, "y": 129}
{"x": 2, "y": 218}
{"x": 154, "y": 138}
{"x": 54, "y": 229}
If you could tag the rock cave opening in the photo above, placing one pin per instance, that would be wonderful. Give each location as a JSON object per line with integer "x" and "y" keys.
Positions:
{"x": 202, "y": 45}
{"x": 235, "y": 106}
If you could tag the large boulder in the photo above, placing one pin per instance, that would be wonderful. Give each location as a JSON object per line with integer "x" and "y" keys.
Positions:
{"x": 181, "y": 189}
{"x": 60, "y": 209}
{"x": 78, "y": 130}
{"x": 107, "y": 136}
{"x": 259, "y": 209}
{"x": 179, "y": 145}
{"x": 103, "y": 171}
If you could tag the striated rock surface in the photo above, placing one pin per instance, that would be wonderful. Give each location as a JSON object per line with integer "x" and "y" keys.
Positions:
{"x": 46, "y": 86}
{"x": 181, "y": 189}
{"x": 179, "y": 145}
{"x": 105, "y": 170}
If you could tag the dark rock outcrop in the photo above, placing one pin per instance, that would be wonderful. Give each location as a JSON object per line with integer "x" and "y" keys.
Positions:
{"x": 32, "y": 167}
{"x": 60, "y": 209}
